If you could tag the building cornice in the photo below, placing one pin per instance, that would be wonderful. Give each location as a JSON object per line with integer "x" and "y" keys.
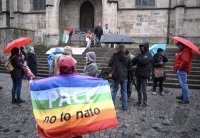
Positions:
{"x": 16, "y": 28}
{"x": 31, "y": 12}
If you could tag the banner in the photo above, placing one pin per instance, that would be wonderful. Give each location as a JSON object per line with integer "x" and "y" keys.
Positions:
{"x": 72, "y": 105}
{"x": 65, "y": 37}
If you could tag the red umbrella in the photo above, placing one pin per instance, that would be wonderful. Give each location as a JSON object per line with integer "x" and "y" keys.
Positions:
{"x": 189, "y": 44}
{"x": 17, "y": 43}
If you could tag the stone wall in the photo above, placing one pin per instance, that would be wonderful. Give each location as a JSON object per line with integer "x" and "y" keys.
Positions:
{"x": 143, "y": 24}
{"x": 9, "y": 34}
{"x": 123, "y": 16}
{"x": 3, "y": 21}
{"x": 31, "y": 21}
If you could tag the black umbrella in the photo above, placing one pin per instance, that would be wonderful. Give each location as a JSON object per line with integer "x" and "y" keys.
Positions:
{"x": 117, "y": 39}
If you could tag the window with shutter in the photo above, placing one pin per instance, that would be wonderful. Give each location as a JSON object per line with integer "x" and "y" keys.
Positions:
{"x": 39, "y": 4}
{"x": 145, "y": 2}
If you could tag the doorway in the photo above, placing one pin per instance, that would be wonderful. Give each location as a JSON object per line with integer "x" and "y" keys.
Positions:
{"x": 87, "y": 17}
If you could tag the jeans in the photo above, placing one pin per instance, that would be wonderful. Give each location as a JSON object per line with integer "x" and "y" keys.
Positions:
{"x": 115, "y": 87}
{"x": 129, "y": 86}
{"x": 16, "y": 89}
{"x": 182, "y": 78}
{"x": 98, "y": 38}
{"x": 155, "y": 81}
{"x": 142, "y": 90}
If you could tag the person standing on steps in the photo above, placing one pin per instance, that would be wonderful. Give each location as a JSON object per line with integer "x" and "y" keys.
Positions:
{"x": 91, "y": 68}
{"x": 98, "y": 31}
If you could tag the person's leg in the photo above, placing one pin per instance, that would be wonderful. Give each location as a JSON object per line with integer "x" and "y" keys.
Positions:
{"x": 144, "y": 90}
{"x": 89, "y": 43}
{"x": 13, "y": 92}
{"x": 161, "y": 86}
{"x": 129, "y": 87}
{"x": 155, "y": 81}
{"x": 114, "y": 90}
{"x": 97, "y": 41}
{"x": 138, "y": 83}
{"x": 182, "y": 77}
{"x": 123, "y": 84}
{"x": 18, "y": 90}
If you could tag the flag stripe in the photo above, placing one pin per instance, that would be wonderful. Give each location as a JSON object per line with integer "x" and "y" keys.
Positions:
{"x": 80, "y": 130}
{"x": 72, "y": 105}
{"x": 75, "y": 120}
{"x": 41, "y": 114}
{"x": 61, "y": 81}
{"x": 71, "y": 91}
{"x": 44, "y": 104}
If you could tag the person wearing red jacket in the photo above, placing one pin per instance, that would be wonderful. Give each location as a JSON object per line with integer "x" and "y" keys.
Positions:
{"x": 182, "y": 66}
{"x": 88, "y": 39}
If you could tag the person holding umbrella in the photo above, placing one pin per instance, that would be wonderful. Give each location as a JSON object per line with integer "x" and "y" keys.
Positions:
{"x": 158, "y": 74}
{"x": 182, "y": 66}
{"x": 120, "y": 64}
{"x": 16, "y": 75}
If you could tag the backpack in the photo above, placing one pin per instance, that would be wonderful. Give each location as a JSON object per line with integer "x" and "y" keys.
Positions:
{"x": 106, "y": 73}
{"x": 9, "y": 65}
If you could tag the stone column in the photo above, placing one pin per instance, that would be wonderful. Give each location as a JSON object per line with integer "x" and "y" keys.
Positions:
{"x": 179, "y": 16}
{"x": 52, "y": 25}
{"x": 109, "y": 15}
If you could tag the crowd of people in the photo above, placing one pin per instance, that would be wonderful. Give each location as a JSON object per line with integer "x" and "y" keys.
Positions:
{"x": 126, "y": 69}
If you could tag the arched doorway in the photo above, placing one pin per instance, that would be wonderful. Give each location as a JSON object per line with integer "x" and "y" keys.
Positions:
{"x": 87, "y": 17}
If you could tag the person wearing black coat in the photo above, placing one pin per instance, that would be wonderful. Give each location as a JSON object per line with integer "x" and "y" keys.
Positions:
{"x": 120, "y": 64}
{"x": 142, "y": 73}
{"x": 158, "y": 62}
{"x": 31, "y": 59}
{"x": 16, "y": 75}
{"x": 98, "y": 31}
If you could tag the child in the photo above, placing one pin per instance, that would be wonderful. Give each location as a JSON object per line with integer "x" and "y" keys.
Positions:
{"x": 88, "y": 39}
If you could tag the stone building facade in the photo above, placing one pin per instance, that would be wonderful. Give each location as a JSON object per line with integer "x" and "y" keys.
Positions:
{"x": 144, "y": 20}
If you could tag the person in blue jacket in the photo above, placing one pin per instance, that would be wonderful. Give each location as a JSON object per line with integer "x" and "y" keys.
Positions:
{"x": 50, "y": 60}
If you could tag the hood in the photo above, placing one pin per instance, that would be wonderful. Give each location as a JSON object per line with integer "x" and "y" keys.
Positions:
{"x": 67, "y": 50}
{"x": 91, "y": 56}
{"x": 146, "y": 47}
{"x": 31, "y": 49}
{"x": 58, "y": 51}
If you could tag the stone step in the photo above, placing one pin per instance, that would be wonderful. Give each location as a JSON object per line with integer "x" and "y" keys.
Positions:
{"x": 103, "y": 57}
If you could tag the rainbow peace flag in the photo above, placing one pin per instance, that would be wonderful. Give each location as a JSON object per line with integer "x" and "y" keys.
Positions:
{"x": 72, "y": 105}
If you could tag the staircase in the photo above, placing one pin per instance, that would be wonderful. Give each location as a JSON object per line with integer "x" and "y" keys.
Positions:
{"x": 103, "y": 56}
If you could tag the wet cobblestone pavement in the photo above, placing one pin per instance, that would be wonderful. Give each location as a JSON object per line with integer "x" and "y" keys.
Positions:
{"x": 164, "y": 117}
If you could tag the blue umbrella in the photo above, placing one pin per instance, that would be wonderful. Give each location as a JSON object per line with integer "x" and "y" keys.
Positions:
{"x": 153, "y": 49}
